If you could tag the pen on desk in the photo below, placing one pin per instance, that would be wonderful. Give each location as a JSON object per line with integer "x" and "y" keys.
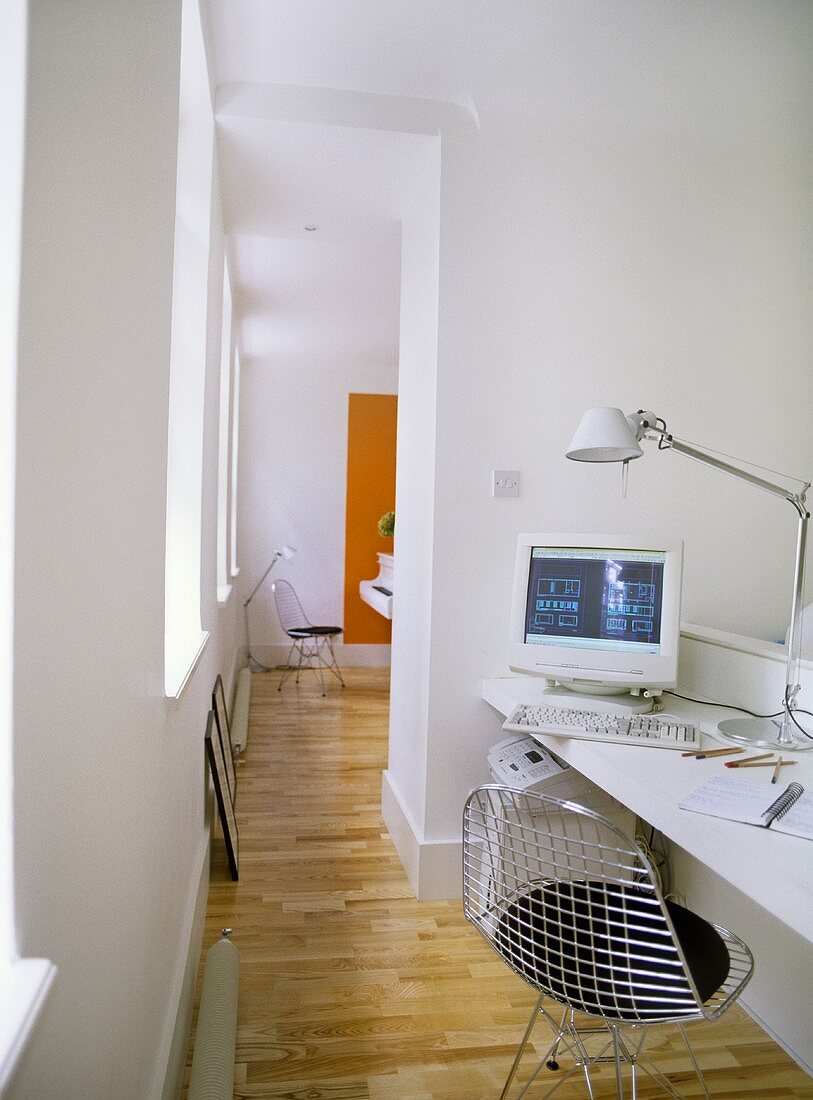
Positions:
{"x": 775, "y": 775}
{"x": 747, "y": 760}
{"x": 713, "y": 752}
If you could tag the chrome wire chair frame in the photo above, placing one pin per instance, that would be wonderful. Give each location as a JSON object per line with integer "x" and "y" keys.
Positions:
{"x": 312, "y": 644}
{"x": 573, "y": 906}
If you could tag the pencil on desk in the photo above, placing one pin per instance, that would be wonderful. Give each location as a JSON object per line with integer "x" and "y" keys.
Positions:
{"x": 747, "y": 760}
{"x": 769, "y": 764}
{"x": 775, "y": 775}
{"x": 710, "y": 752}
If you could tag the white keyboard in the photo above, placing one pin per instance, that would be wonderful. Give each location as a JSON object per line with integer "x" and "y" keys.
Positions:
{"x": 662, "y": 731}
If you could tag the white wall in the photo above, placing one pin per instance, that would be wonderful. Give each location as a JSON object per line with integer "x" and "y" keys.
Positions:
{"x": 110, "y": 782}
{"x": 579, "y": 269}
{"x": 293, "y": 485}
{"x": 778, "y": 995}
{"x": 12, "y": 138}
{"x": 415, "y": 506}
{"x": 576, "y": 271}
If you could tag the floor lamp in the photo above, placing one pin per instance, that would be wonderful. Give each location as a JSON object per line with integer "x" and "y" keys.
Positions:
{"x": 286, "y": 553}
{"x": 608, "y": 435}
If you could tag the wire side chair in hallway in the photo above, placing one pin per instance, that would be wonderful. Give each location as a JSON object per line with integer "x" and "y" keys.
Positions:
{"x": 574, "y": 907}
{"x": 312, "y": 644}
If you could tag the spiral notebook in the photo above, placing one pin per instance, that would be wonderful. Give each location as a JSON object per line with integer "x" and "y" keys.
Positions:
{"x": 785, "y": 811}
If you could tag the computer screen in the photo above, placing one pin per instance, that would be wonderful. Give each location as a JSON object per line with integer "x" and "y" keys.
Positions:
{"x": 596, "y": 612}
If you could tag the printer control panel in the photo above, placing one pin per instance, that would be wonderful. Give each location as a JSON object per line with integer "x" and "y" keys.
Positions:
{"x": 521, "y": 762}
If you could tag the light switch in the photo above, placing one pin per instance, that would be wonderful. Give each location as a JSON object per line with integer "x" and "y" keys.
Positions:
{"x": 505, "y": 483}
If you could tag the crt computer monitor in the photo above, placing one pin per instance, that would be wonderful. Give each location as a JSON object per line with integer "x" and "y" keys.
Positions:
{"x": 597, "y": 613}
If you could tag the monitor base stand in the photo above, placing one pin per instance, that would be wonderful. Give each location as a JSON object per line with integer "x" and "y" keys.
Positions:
{"x": 562, "y": 696}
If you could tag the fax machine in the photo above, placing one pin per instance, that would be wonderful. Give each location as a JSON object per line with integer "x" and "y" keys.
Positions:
{"x": 520, "y": 762}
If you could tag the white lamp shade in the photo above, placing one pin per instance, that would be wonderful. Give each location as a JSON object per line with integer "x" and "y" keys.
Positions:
{"x": 286, "y": 552}
{"x": 604, "y": 435}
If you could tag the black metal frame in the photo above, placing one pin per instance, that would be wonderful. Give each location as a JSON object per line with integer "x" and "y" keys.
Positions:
{"x": 225, "y": 805}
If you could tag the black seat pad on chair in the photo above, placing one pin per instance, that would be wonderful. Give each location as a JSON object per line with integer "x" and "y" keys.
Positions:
{"x": 311, "y": 631}
{"x": 571, "y": 939}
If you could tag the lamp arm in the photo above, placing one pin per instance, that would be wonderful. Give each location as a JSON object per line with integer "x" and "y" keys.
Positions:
{"x": 274, "y": 561}
{"x": 648, "y": 429}
{"x": 668, "y": 441}
{"x": 795, "y": 628}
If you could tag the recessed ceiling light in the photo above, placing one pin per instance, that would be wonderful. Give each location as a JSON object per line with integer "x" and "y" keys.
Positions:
{"x": 311, "y": 228}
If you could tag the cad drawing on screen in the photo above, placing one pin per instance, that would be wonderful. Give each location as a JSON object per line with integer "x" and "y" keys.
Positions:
{"x": 597, "y": 615}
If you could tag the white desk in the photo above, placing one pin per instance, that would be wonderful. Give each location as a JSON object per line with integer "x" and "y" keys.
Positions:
{"x": 775, "y": 871}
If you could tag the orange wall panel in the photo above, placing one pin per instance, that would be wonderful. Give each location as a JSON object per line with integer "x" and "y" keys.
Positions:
{"x": 371, "y": 424}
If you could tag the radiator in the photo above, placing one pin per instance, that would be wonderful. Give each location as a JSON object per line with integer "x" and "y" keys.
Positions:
{"x": 212, "y": 1076}
{"x": 239, "y": 720}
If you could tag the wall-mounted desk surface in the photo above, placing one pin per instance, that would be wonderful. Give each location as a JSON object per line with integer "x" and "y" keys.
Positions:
{"x": 775, "y": 871}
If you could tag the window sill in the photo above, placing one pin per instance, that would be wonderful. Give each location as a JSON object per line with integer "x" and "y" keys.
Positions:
{"x": 28, "y": 984}
{"x": 181, "y": 658}
{"x": 223, "y": 593}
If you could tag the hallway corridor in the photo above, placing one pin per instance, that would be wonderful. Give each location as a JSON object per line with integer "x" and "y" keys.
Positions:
{"x": 349, "y": 988}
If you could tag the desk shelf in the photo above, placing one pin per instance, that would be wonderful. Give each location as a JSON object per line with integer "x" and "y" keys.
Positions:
{"x": 652, "y": 781}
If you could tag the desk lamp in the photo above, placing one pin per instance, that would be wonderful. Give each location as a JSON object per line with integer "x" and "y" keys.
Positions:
{"x": 285, "y": 552}
{"x": 607, "y": 435}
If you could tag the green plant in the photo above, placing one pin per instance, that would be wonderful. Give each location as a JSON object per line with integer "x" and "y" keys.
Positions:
{"x": 386, "y": 525}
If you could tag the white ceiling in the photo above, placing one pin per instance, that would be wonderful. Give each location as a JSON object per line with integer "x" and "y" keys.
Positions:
{"x": 330, "y": 295}
{"x": 733, "y": 71}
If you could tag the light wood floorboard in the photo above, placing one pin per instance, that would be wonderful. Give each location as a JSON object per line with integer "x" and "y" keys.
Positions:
{"x": 350, "y": 989}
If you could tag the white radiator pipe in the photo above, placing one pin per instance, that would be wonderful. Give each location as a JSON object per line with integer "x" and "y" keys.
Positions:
{"x": 212, "y": 1076}
{"x": 239, "y": 721}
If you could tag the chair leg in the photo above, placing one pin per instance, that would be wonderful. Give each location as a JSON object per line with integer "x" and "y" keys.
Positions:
{"x": 561, "y": 1037}
{"x": 587, "y": 1059}
{"x": 325, "y": 658}
{"x": 334, "y": 663}
{"x": 634, "y": 1079}
{"x": 589, "y": 1082}
{"x": 649, "y": 1067}
{"x": 320, "y": 663}
{"x": 690, "y": 1049}
{"x": 522, "y": 1046}
{"x": 286, "y": 672}
{"x": 619, "y": 1083}
{"x": 615, "y": 1049}
{"x": 582, "y": 1059}
{"x": 313, "y": 655}
{"x": 301, "y": 662}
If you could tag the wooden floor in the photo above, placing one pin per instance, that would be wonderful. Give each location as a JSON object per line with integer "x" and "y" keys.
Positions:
{"x": 352, "y": 990}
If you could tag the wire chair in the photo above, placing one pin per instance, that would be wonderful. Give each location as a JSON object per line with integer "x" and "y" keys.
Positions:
{"x": 313, "y": 644}
{"x": 573, "y": 906}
